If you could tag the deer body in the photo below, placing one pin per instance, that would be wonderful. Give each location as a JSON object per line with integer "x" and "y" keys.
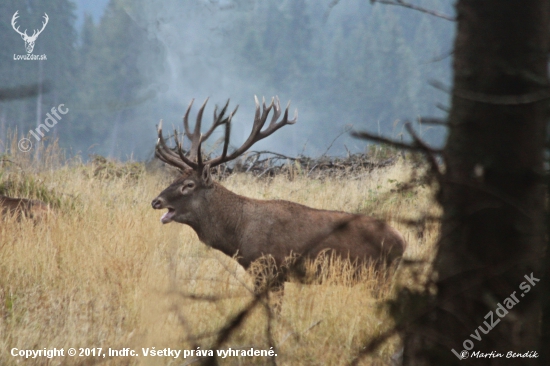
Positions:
{"x": 20, "y": 207}
{"x": 250, "y": 229}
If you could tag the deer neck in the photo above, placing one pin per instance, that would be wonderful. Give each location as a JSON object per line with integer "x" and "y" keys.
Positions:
{"x": 219, "y": 222}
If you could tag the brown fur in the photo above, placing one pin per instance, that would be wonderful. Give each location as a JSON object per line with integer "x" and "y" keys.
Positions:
{"x": 250, "y": 229}
{"x": 22, "y": 207}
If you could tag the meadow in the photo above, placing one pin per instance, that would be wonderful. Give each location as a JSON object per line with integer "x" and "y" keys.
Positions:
{"x": 102, "y": 271}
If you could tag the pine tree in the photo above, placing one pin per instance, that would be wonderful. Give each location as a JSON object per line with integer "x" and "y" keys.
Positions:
{"x": 57, "y": 42}
{"x": 112, "y": 79}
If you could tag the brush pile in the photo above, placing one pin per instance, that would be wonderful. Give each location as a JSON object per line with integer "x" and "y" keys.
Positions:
{"x": 269, "y": 164}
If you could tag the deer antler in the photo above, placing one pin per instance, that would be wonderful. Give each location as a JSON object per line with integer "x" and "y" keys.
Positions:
{"x": 24, "y": 34}
{"x": 195, "y": 136}
{"x": 182, "y": 162}
{"x": 257, "y": 134}
{"x": 167, "y": 155}
{"x": 46, "y": 18}
{"x": 13, "y": 21}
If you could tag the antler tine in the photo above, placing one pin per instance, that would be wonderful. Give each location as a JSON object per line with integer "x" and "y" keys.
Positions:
{"x": 227, "y": 133}
{"x": 195, "y": 136}
{"x": 223, "y": 158}
{"x": 224, "y": 109}
{"x": 36, "y": 32}
{"x": 292, "y": 121}
{"x": 195, "y": 158}
{"x": 266, "y": 111}
{"x": 181, "y": 154}
{"x": 271, "y": 103}
{"x": 257, "y": 111}
{"x": 186, "y": 120}
{"x": 274, "y": 126}
{"x": 164, "y": 153}
{"x": 218, "y": 120}
{"x": 14, "y": 21}
{"x": 227, "y": 122}
{"x": 199, "y": 155}
{"x": 182, "y": 162}
{"x": 161, "y": 144}
{"x": 197, "y": 132}
{"x": 256, "y": 134}
{"x": 276, "y": 111}
{"x": 46, "y": 19}
{"x": 259, "y": 120}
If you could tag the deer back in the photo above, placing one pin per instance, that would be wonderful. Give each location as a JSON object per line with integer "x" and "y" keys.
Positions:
{"x": 22, "y": 207}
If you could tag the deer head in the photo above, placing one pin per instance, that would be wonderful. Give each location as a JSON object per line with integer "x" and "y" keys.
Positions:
{"x": 186, "y": 196}
{"x": 29, "y": 40}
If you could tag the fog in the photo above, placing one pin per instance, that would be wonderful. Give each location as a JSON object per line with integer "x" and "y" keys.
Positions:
{"x": 121, "y": 66}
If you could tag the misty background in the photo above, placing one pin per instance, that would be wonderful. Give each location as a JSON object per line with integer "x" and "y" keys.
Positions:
{"x": 120, "y": 66}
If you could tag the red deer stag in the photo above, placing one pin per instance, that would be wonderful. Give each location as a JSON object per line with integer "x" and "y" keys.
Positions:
{"x": 22, "y": 207}
{"x": 249, "y": 229}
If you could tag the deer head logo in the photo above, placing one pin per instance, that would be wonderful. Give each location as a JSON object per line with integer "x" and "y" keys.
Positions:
{"x": 29, "y": 40}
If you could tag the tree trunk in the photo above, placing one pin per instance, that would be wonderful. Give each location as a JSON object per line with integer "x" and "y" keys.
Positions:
{"x": 492, "y": 191}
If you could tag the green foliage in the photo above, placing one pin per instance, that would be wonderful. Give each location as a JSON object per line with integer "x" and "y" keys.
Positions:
{"x": 104, "y": 168}
{"x": 28, "y": 186}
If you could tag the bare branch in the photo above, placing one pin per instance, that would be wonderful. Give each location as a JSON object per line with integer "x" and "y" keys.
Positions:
{"x": 273, "y": 153}
{"x": 332, "y": 4}
{"x": 25, "y": 91}
{"x": 347, "y": 128}
{"x": 427, "y": 150}
{"x": 438, "y": 58}
{"x": 520, "y": 99}
{"x": 442, "y": 107}
{"x": 415, "y": 7}
{"x": 433, "y": 121}
{"x": 369, "y": 136}
{"x": 232, "y": 325}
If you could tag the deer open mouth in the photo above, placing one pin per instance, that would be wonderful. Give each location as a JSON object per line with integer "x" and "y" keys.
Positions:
{"x": 167, "y": 217}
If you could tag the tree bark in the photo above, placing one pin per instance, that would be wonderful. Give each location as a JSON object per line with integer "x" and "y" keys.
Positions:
{"x": 492, "y": 191}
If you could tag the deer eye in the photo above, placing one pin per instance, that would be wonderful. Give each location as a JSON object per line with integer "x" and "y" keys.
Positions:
{"x": 187, "y": 186}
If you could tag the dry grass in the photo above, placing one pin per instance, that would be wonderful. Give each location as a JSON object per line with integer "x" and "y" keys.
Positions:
{"x": 105, "y": 273}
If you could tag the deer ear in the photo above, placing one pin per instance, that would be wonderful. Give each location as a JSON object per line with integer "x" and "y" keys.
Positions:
{"x": 206, "y": 176}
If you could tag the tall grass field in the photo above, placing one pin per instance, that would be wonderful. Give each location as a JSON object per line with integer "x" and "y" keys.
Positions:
{"x": 102, "y": 271}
